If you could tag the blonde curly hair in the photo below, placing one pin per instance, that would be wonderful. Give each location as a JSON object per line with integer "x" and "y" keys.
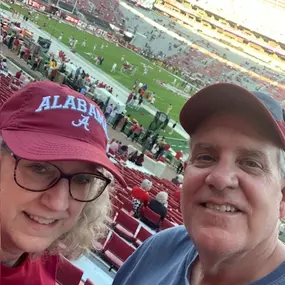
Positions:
{"x": 91, "y": 226}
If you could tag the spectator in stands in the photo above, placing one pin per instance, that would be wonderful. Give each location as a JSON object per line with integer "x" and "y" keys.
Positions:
{"x": 163, "y": 149}
{"x": 114, "y": 146}
{"x": 132, "y": 130}
{"x": 130, "y": 98}
{"x": 232, "y": 199}
{"x": 22, "y": 51}
{"x": 177, "y": 180}
{"x": 118, "y": 119}
{"x": 113, "y": 115}
{"x": 139, "y": 160}
{"x": 137, "y": 132}
{"x": 180, "y": 167}
{"x": 49, "y": 204}
{"x": 36, "y": 63}
{"x": 159, "y": 206}
{"x": 133, "y": 156}
{"x": 127, "y": 120}
{"x": 140, "y": 195}
{"x": 123, "y": 150}
{"x": 3, "y": 65}
{"x": 18, "y": 74}
{"x": 108, "y": 110}
{"x": 10, "y": 42}
{"x": 53, "y": 74}
{"x": 26, "y": 80}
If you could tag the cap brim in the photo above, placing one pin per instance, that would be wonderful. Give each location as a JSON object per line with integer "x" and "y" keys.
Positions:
{"x": 227, "y": 97}
{"x": 47, "y": 147}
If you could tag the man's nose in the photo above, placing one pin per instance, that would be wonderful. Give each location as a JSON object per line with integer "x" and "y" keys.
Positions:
{"x": 223, "y": 176}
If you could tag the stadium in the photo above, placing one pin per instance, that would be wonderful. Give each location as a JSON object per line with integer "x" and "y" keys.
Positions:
{"x": 140, "y": 61}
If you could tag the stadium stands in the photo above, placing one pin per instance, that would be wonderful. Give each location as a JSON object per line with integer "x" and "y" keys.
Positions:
{"x": 5, "y": 90}
{"x": 126, "y": 226}
{"x": 68, "y": 274}
{"x": 116, "y": 251}
{"x": 141, "y": 236}
{"x": 106, "y": 10}
{"x": 212, "y": 70}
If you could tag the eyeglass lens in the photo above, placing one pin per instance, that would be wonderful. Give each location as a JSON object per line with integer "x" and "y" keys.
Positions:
{"x": 40, "y": 176}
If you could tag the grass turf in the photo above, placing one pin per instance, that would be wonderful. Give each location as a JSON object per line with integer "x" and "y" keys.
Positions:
{"x": 113, "y": 54}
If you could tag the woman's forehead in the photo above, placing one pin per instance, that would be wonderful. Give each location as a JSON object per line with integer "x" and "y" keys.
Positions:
{"x": 76, "y": 166}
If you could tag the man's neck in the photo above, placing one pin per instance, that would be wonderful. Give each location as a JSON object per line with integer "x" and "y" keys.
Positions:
{"x": 228, "y": 271}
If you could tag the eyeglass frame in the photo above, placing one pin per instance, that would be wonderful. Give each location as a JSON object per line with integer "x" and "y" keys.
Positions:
{"x": 62, "y": 176}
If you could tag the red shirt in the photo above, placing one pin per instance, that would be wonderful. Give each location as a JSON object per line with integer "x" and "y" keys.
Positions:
{"x": 178, "y": 155}
{"x": 16, "y": 42}
{"x": 41, "y": 271}
{"x": 176, "y": 195}
{"x": 140, "y": 194}
{"x": 166, "y": 146}
{"x": 18, "y": 75}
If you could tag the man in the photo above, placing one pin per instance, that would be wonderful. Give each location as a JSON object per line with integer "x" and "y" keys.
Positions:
{"x": 231, "y": 201}
{"x": 108, "y": 110}
{"x": 54, "y": 180}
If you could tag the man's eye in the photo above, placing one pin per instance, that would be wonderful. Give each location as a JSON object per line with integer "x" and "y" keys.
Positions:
{"x": 251, "y": 164}
{"x": 204, "y": 157}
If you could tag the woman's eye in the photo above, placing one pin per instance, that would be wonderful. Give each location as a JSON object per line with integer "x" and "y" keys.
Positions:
{"x": 82, "y": 179}
{"x": 38, "y": 168}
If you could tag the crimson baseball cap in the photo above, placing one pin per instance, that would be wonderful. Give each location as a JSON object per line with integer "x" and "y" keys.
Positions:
{"x": 226, "y": 96}
{"x": 46, "y": 121}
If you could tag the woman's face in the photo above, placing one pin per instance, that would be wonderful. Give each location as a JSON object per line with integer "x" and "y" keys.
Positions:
{"x": 32, "y": 221}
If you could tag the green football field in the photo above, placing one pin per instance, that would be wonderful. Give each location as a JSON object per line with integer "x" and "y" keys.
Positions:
{"x": 113, "y": 54}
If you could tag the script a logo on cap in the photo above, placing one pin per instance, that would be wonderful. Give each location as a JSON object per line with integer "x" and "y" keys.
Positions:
{"x": 86, "y": 109}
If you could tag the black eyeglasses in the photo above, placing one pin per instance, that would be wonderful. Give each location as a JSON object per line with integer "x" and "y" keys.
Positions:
{"x": 41, "y": 176}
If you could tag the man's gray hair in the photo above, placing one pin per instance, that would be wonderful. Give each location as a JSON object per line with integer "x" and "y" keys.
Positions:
{"x": 162, "y": 197}
{"x": 146, "y": 184}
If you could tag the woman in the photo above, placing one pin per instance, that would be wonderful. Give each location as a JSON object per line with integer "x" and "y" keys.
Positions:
{"x": 140, "y": 195}
{"x": 133, "y": 156}
{"x": 54, "y": 181}
{"x": 140, "y": 159}
{"x": 159, "y": 206}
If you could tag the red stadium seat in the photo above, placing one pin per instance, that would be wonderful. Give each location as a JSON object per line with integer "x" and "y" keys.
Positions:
{"x": 166, "y": 224}
{"x": 116, "y": 202}
{"x": 141, "y": 236}
{"x": 126, "y": 226}
{"x": 127, "y": 204}
{"x": 150, "y": 218}
{"x": 116, "y": 251}
{"x": 67, "y": 273}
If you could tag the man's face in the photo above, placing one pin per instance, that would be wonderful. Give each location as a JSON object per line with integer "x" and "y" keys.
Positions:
{"x": 20, "y": 233}
{"x": 231, "y": 195}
